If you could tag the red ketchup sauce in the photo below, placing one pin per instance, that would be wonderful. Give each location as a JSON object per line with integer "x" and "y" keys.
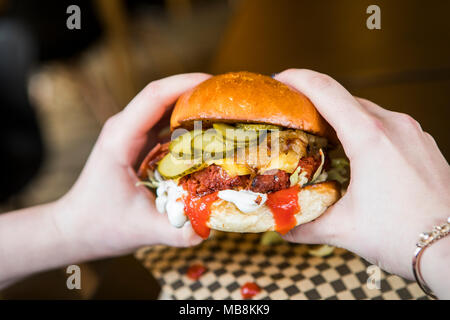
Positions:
{"x": 196, "y": 271}
{"x": 198, "y": 210}
{"x": 249, "y": 290}
{"x": 284, "y": 205}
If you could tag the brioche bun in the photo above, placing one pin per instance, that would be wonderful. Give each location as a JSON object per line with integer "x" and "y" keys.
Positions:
{"x": 252, "y": 98}
{"x": 313, "y": 201}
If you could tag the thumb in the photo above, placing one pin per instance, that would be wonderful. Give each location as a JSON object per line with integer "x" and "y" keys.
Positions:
{"x": 163, "y": 232}
{"x": 333, "y": 227}
{"x": 127, "y": 131}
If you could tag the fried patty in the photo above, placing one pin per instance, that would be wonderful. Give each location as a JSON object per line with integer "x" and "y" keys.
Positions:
{"x": 211, "y": 179}
{"x": 214, "y": 178}
{"x": 270, "y": 181}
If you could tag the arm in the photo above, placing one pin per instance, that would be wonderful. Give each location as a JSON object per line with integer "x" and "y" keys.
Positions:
{"x": 30, "y": 241}
{"x": 104, "y": 214}
{"x": 399, "y": 184}
{"x": 435, "y": 264}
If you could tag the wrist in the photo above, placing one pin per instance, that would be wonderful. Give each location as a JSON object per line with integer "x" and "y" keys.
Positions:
{"x": 434, "y": 263}
{"x": 33, "y": 242}
{"x": 84, "y": 235}
{"x": 74, "y": 237}
{"x": 397, "y": 253}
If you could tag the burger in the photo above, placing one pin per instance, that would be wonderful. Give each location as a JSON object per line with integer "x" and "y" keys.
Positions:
{"x": 247, "y": 154}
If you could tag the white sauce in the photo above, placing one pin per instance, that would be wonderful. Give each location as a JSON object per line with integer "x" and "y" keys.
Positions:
{"x": 245, "y": 200}
{"x": 169, "y": 199}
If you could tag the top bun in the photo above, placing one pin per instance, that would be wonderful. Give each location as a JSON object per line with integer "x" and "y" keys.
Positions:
{"x": 251, "y": 98}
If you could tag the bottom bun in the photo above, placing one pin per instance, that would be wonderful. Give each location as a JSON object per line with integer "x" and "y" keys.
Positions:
{"x": 313, "y": 201}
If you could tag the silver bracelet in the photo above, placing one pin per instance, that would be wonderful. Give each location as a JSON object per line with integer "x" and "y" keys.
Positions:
{"x": 425, "y": 240}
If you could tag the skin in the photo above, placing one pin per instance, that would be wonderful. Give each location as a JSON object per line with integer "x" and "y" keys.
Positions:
{"x": 398, "y": 189}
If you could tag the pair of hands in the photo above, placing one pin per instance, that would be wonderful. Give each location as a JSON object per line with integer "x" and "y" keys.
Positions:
{"x": 398, "y": 187}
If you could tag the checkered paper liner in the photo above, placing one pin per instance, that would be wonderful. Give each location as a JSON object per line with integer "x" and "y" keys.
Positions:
{"x": 283, "y": 271}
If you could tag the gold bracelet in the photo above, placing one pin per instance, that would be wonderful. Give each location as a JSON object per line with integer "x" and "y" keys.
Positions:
{"x": 425, "y": 240}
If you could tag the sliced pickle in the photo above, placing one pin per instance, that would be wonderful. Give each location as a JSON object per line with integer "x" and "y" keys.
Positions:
{"x": 245, "y": 136}
{"x": 238, "y": 136}
{"x": 170, "y": 167}
{"x": 181, "y": 147}
{"x": 257, "y": 126}
{"x": 222, "y": 128}
{"x": 211, "y": 145}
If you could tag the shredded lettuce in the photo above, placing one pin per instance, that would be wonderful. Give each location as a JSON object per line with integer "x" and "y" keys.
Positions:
{"x": 322, "y": 177}
{"x": 153, "y": 180}
{"x": 316, "y": 142}
{"x": 340, "y": 169}
{"x": 294, "y": 176}
{"x": 270, "y": 238}
{"x": 340, "y": 162}
{"x": 322, "y": 251}
{"x": 147, "y": 184}
{"x": 297, "y": 178}
{"x": 319, "y": 169}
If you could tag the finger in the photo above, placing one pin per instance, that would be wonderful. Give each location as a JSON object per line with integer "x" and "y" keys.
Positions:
{"x": 332, "y": 228}
{"x": 334, "y": 103}
{"x": 430, "y": 138}
{"x": 372, "y": 107}
{"x": 184, "y": 237}
{"x": 189, "y": 236}
{"x": 166, "y": 233}
{"x": 391, "y": 119}
{"x": 145, "y": 110}
{"x": 434, "y": 149}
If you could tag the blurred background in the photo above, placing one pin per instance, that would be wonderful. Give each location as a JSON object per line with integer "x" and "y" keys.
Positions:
{"x": 58, "y": 86}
